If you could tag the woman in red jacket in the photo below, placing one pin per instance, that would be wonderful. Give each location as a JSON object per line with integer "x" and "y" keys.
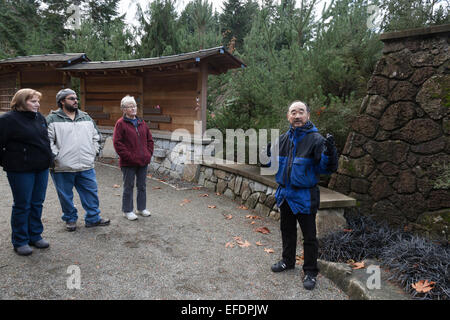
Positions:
{"x": 133, "y": 143}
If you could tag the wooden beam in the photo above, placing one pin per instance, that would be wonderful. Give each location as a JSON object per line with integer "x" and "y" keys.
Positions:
{"x": 99, "y": 115}
{"x": 93, "y": 108}
{"x": 148, "y": 110}
{"x": 158, "y": 118}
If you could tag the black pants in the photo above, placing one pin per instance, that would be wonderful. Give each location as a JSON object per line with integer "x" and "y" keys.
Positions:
{"x": 288, "y": 226}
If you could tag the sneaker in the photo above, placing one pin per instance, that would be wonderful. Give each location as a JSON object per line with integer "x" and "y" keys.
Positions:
{"x": 71, "y": 226}
{"x": 281, "y": 266}
{"x": 23, "y": 250}
{"x": 130, "y": 215}
{"x": 100, "y": 223}
{"x": 144, "y": 213}
{"x": 309, "y": 282}
{"x": 41, "y": 244}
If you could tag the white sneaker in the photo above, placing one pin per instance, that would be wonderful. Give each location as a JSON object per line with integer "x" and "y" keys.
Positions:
{"x": 130, "y": 215}
{"x": 144, "y": 213}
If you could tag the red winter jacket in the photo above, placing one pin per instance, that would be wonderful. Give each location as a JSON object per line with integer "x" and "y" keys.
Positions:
{"x": 133, "y": 145}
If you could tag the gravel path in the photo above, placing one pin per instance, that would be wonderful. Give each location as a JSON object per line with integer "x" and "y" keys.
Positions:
{"x": 178, "y": 253}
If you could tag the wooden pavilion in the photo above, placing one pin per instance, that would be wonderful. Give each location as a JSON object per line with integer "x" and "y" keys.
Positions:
{"x": 40, "y": 72}
{"x": 170, "y": 91}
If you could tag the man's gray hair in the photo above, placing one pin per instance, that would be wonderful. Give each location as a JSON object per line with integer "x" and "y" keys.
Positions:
{"x": 62, "y": 94}
{"x": 126, "y": 101}
{"x": 308, "y": 109}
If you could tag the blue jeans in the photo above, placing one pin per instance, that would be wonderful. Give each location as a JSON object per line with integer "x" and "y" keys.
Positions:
{"x": 28, "y": 190}
{"x": 85, "y": 183}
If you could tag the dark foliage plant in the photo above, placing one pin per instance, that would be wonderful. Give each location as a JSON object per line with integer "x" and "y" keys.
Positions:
{"x": 408, "y": 257}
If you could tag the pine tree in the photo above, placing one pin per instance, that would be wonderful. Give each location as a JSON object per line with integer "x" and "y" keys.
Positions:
{"x": 158, "y": 29}
{"x": 198, "y": 27}
{"x": 236, "y": 21}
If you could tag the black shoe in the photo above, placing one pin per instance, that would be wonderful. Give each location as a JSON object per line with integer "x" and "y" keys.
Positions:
{"x": 41, "y": 244}
{"x": 99, "y": 223}
{"x": 281, "y": 266}
{"x": 309, "y": 282}
{"x": 71, "y": 226}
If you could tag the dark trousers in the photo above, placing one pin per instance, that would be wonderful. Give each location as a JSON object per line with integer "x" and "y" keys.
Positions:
{"x": 130, "y": 175}
{"x": 28, "y": 190}
{"x": 288, "y": 226}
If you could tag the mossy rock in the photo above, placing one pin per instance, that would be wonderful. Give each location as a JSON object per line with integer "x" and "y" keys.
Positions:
{"x": 436, "y": 223}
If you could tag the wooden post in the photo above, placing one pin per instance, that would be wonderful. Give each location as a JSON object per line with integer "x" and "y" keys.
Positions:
{"x": 141, "y": 97}
{"x": 83, "y": 93}
{"x": 202, "y": 94}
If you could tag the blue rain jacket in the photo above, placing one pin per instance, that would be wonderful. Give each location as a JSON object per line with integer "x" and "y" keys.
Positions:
{"x": 301, "y": 160}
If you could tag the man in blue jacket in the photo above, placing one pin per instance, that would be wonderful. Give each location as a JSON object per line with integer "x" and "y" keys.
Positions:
{"x": 303, "y": 155}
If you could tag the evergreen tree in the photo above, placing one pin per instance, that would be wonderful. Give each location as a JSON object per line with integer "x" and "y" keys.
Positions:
{"x": 158, "y": 29}
{"x": 236, "y": 21}
{"x": 407, "y": 14}
{"x": 17, "y": 20}
{"x": 198, "y": 27}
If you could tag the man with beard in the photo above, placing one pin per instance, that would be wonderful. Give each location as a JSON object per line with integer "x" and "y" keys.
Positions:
{"x": 303, "y": 155}
{"x": 74, "y": 139}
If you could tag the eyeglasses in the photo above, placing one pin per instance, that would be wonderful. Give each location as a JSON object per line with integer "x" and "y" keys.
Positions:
{"x": 130, "y": 107}
{"x": 73, "y": 99}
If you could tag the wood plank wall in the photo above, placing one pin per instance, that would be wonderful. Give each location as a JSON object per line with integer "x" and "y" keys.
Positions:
{"x": 176, "y": 96}
{"x": 47, "y": 82}
{"x": 101, "y": 96}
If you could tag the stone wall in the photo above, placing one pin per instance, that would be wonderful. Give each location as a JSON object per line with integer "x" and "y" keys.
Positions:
{"x": 399, "y": 146}
{"x": 250, "y": 193}
{"x": 169, "y": 156}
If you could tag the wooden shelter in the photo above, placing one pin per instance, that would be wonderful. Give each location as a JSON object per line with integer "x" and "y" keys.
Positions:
{"x": 40, "y": 72}
{"x": 170, "y": 91}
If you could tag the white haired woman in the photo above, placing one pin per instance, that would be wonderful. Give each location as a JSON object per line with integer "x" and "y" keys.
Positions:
{"x": 133, "y": 143}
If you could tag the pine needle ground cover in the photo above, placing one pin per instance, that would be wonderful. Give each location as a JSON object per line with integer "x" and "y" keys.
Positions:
{"x": 419, "y": 265}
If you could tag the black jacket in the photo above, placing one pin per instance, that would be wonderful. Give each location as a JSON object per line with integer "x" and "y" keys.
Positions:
{"x": 24, "y": 142}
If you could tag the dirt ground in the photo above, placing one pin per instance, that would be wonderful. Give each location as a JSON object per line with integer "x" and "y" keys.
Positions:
{"x": 180, "y": 252}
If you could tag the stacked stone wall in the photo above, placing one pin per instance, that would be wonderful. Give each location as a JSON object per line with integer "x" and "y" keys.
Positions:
{"x": 399, "y": 146}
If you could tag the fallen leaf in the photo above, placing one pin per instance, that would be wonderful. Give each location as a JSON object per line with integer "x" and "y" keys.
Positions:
{"x": 196, "y": 188}
{"x": 252, "y": 217}
{"x": 149, "y": 176}
{"x": 263, "y": 230}
{"x": 184, "y": 202}
{"x": 298, "y": 259}
{"x": 348, "y": 230}
{"x": 358, "y": 265}
{"x": 229, "y": 245}
{"x": 156, "y": 188}
{"x": 242, "y": 207}
{"x": 253, "y": 222}
{"x": 423, "y": 286}
{"x": 116, "y": 186}
{"x": 218, "y": 194}
{"x": 212, "y": 207}
{"x": 269, "y": 250}
{"x": 258, "y": 243}
{"x": 245, "y": 244}
{"x": 228, "y": 216}
{"x": 204, "y": 195}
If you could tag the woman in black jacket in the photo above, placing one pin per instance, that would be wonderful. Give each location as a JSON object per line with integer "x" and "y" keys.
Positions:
{"x": 25, "y": 155}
